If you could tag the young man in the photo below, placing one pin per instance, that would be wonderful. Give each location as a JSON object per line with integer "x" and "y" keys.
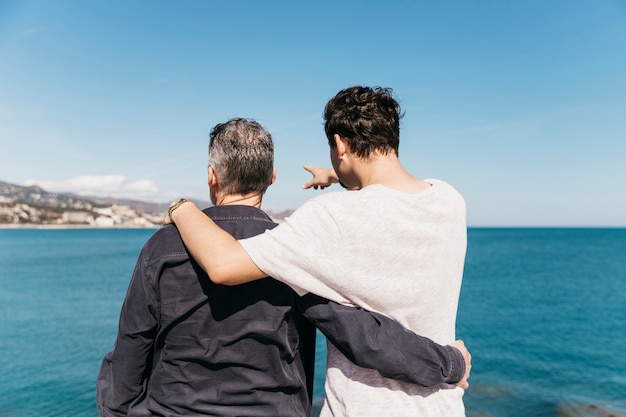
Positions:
{"x": 187, "y": 346}
{"x": 396, "y": 246}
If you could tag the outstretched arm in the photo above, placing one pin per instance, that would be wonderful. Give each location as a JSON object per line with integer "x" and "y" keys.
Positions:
{"x": 322, "y": 177}
{"x": 374, "y": 341}
{"x": 220, "y": 255}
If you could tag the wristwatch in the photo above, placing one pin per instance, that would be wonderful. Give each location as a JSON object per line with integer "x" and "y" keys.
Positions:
{"x": 175, "y": 205}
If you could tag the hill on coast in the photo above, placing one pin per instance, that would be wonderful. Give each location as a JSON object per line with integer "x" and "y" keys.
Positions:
{"x": 32, "y": 205}
{"x": 37, "y": 196}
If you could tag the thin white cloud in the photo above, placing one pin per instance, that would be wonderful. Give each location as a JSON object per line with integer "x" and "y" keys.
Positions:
{"x": 30, "y": 32}
{"x": 140, "y": 189}
{"x": 35, "y": 31}
{"x": 102, "y": 186}
{"x": 533, "y": 121}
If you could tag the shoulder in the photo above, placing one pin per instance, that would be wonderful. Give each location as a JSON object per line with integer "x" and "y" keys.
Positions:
{"x": 441, "y": 184}
{"x": 443, "y": 188}
{"x": 322, "y": 208}
{"x": 165, "y": 242}
{"x": 332, "y": 200}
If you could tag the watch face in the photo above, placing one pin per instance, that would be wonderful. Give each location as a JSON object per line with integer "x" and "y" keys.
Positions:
{"x": 179, "y": 201}
{"x": 175, "y": 205}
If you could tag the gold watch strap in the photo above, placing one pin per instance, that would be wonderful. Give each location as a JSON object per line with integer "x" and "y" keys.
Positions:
{"x": 175, "y": 205}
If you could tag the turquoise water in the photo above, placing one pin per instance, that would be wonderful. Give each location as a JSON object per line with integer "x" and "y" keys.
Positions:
{"x": 543, "y": 312}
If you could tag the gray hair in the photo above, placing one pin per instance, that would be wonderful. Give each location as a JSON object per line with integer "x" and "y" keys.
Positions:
{"x": 241, "y": 153}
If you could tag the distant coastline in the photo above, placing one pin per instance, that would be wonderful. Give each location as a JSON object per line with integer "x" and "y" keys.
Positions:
{"x": 34, "y": 207}
{"x": 31, "y": 207}
{"x": 71, "y": 226}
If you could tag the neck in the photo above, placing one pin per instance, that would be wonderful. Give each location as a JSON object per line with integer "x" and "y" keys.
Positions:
{"x": 386, "y": 170}
{"x": 253, "y": 199}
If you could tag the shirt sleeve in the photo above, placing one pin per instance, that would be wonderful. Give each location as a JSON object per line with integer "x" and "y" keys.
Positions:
{"x": 124, "y": 370}
{"x": 372, "y": 340}
{"x": 304, "y": 252}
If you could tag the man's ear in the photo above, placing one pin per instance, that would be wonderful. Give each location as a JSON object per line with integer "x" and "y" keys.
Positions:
{"x": 341, "y": 144}
{"x": 273, "y": 176}
{"x": 212, "y": 177}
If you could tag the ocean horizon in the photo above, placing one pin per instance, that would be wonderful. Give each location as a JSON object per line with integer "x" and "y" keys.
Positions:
{"x": 542, "y": 311}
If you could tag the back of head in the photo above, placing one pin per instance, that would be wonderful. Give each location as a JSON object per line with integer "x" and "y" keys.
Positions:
{"x": 241, "y": 153}
{"x": 368, "y": 117}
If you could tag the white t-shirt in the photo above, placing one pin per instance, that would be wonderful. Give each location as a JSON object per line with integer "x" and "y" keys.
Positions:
{"x": 384, "y": 250}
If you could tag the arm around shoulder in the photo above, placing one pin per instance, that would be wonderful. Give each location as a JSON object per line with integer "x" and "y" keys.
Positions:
{"x": 372, "y": 340}
{"x": 219, "y": 254}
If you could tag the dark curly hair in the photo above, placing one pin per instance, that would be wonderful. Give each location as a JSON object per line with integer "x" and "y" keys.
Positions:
{"x": 368, "y": 117}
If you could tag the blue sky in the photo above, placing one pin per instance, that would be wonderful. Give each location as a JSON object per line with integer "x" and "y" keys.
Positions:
{"x": 519, "y": 105}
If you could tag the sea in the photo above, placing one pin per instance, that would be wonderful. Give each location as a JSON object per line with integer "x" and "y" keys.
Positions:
{"x": 542, "y": 310}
